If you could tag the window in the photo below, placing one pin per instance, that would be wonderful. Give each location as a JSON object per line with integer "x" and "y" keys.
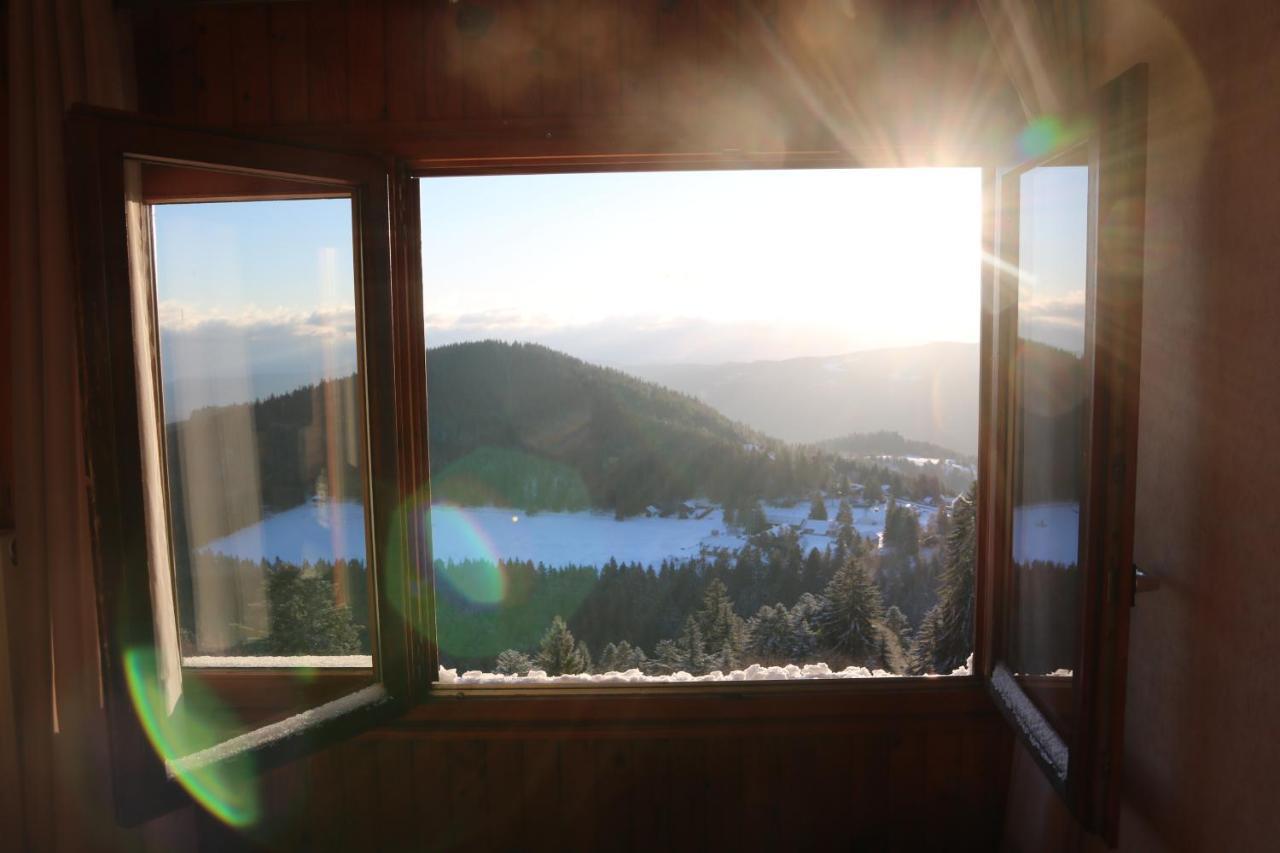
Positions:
{"x": 702, "y": 425}
{"x": 288, "y": 550}
{"x": 225, "y": 650}
{"x": 1058, "y": 536}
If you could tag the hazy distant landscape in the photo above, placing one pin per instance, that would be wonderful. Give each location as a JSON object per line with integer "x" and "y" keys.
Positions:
{"x": 927, "y": 392}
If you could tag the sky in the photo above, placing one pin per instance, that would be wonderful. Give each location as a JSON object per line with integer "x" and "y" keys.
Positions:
{"x": 1053, "y": 255}
{"x": 616, "y": 268}
{"x": 628, "y": 268}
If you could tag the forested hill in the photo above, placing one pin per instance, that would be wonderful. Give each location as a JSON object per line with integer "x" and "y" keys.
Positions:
{"x": 524, "y": 425}
{"x": 511, "y": 425}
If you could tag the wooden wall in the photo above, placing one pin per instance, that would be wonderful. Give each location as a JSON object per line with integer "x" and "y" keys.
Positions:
{"x": 893, "y": 83}
{"x": 1203, "y": 704}
{"x": 482, "y": 778}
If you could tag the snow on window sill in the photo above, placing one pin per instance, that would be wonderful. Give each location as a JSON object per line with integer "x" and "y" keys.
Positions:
{"x": 288, "y": 727}
{"x": 755, "y": 672}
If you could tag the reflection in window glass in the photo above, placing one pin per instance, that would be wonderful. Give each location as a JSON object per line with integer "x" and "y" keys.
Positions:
{"x": 1053, "y": 395}
{"x": 257, "y": 332}
{"x": 703, "y": 425}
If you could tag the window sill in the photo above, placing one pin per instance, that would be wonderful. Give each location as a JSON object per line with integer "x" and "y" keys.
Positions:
{"x": 672, "y": 709}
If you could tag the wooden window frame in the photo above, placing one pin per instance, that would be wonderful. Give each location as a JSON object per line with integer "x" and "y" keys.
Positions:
{"x": 97, "y": 138}
{"x": 1084, "y": 765}
{"x": 99, "y": 144}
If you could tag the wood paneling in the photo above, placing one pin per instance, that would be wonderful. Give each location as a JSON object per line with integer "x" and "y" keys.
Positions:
{"x": 730, "y": 74}
{"x": 883, "y": 788}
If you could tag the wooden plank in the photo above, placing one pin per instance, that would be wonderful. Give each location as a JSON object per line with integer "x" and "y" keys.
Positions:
{"x": 614, "y": 814}
{"x": 637, "y": 43}
{"x": 725, "y": 808}
{"x": 678, "y": 78}
{"x": 466, "y": 823}
{"x": 541, "y": 794}
{"x": 504, "y": 805}
{"x": 480, "y": 29}
{"x": 521, "y": 54}
{"x": 327, "y": 61}
{"x": 719, "y": 35}
{"x": 366, "y": 59}
{"x": 289, "y": 90}
{"x": 431, "y": 784}
{"x": 251, "y": 64}
{"x": 649, "y": 799}
{"x": 688, "y": 794}
{"x": 396, "y": 808}
{"x": 601, "y": 48}
{"x": 560, "y": 46}
{"x": 578, "y": 777}
{"x": 215, "y": 97}
{"x": 446, "y": 95}
{"x": 406, "y": 40}
{"x": 152, "y": 56}
{"x": 358, "y": 761}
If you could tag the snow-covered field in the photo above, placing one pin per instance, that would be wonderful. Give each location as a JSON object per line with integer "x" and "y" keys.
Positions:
{"x": 336, "y": 531}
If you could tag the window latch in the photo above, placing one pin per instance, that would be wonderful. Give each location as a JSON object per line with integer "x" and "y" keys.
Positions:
{"x": 1142, "y": 582}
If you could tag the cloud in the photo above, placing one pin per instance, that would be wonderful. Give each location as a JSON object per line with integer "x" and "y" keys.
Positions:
{"x": 335, "y": 321}
{"x": 1055, "y": 320}
{"x": 645, "y": 339}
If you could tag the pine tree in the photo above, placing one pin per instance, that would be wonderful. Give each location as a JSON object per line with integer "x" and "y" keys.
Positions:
{"x": 722, "y": 630}
{"x": 769, "y": 633}
{"x": 753, "y": 520}
{"x": 804, "y": 641}
{"x": 620, "y": 657}
{"x": 844, "y": 515}
{"x": 818, "y": 508}
{"x": 559, "y": 654}
{"x": 945, "y": 638}
{"x": 683, "y": 654}
{"x": 896, "y": 621}
{"x": 847, "y": 623}
{"x": 303, "y": 617}
{"x": 512, "y": 662}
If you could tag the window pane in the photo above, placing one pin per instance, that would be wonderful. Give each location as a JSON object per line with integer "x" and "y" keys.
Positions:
{"x": 262, "y": 412}
{"x": 703, "y": 422}
{"x": 1050, "y": 423}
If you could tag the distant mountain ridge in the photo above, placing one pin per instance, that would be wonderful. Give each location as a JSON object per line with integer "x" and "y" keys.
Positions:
{"x": 928, "y": 392}
{"x": 888, "y": 443}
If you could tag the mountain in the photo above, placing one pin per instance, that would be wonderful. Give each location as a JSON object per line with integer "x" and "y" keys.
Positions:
{"x": 886, "y": 443}
{"x": 515, "y": 425}
{"x": 521, "y": 424}
{"x": 927, "y": 392}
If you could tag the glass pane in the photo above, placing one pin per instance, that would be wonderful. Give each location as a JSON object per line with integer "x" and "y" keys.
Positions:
{"x": 1052, "y": 397}
{"x": 694, "y": 425}
{"x": 257, "y": 331}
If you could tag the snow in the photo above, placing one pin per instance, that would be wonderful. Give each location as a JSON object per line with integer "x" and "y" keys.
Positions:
{"x": 755, "y": 672}
{"x": 280, "y": 662}
{"x": 372, "y": 695}
{"x": 1046, "y": 741}
{"x": 586, "y": 538}
{"x": 1048, "y": 532}
{"x": 313, "y": 531}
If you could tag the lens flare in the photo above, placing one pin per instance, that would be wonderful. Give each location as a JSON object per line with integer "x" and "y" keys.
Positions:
{"x": 227, "y": 789}
{"x": 485, "y": 582}
{"x": 1049, "y": 133}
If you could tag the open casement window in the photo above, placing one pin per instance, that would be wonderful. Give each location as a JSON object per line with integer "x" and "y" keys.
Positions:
{"x": 1061, "y": 452}
{"x": 221, "y": 653}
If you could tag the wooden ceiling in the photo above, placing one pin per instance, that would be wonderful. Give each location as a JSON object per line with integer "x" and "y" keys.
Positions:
{"x": 893, "y": 83}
